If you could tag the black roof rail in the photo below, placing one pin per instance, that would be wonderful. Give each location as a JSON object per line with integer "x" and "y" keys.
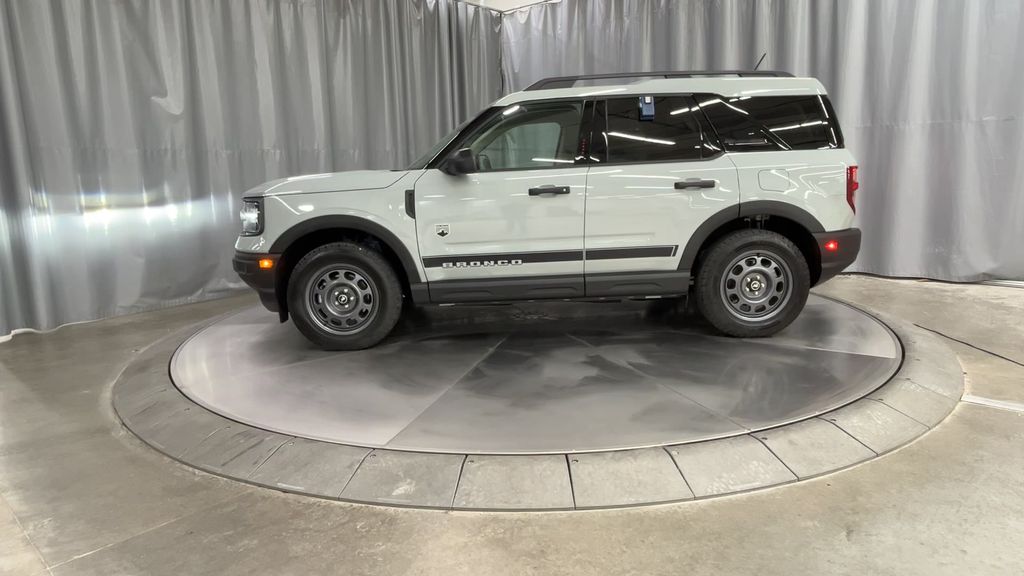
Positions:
{"x": 570, "y": 81}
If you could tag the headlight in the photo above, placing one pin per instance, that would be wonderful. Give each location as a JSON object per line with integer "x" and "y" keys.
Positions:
{"x": 252, "y": 217}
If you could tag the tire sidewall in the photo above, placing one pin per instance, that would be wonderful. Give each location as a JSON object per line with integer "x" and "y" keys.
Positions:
{"x": 708, "y": 293}
{"x": 388, "y": 295}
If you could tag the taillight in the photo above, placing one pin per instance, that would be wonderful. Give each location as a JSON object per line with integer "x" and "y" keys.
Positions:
{"x": 851, "y": 187}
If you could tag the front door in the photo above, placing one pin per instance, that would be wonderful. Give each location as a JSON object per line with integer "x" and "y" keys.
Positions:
{"x": 659, "y": 176}
{"x": 513, "y": 229}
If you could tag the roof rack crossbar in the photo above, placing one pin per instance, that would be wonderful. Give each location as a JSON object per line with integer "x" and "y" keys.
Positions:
{"x": 570, "y": 81}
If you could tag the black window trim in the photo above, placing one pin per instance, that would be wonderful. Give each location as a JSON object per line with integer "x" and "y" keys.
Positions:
{"x": 591, "y": 106}
{"x": 456, "y": 143}
{"x": 833, "y": 120}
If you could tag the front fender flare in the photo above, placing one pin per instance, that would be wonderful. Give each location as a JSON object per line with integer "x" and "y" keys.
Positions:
{"x": 344, "y": 221}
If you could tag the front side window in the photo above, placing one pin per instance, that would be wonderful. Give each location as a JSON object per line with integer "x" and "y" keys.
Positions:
{"x": 524, "y": 136}
{"x": 667, "y": 130}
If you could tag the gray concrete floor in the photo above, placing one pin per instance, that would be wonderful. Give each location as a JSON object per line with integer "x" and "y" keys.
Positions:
{"x": 80, "y": 495}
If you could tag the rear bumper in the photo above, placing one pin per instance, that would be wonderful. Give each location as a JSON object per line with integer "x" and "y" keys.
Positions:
{"x": 835, "y": 261}
{"x": 263, "y": 281}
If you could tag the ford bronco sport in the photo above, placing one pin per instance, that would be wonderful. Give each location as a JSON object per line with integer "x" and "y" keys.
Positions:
{"x": 733, "y": 187}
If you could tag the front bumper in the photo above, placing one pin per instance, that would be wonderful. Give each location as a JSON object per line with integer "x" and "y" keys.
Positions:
{"x": 835, "y": 261}
{"x": 263, "y": 281}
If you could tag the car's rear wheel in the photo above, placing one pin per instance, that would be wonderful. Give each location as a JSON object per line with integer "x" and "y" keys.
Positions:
{"x": 344, "y": 296}
{"x": 752, "y": 283}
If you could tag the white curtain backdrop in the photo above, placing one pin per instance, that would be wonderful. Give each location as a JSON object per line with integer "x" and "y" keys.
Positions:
{"x": 930, "y": 94}
{"x": 130, "y": 128}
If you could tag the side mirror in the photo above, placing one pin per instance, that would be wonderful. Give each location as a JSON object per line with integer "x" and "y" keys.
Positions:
{"x": 462, "y": 162}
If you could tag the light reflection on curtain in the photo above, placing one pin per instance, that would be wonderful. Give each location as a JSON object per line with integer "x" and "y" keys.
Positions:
{"x": 130, "y": 129}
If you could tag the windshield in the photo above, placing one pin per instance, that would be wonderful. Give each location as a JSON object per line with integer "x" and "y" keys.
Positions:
{"x": 422, "y": 162}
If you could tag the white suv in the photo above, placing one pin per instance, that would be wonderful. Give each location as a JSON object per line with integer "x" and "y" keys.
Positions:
{"x": 732, "y": 186}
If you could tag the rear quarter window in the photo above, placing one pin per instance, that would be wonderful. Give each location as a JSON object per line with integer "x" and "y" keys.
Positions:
{"x": 760, "y": 123}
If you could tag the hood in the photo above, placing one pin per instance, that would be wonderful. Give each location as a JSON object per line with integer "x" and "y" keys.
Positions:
{"x": 330, "y": 182}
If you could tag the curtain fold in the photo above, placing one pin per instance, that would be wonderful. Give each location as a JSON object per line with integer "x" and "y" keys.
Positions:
{"x": 130, "y": 129}
{"x": 928, "y": 93}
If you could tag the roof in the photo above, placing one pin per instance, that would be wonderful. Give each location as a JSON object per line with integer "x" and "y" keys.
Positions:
{"x": 723, "y": 86}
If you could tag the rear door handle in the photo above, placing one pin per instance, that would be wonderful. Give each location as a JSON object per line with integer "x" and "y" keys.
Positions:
{"x": 541, "y": 190}
{"x": 695, "y": 183}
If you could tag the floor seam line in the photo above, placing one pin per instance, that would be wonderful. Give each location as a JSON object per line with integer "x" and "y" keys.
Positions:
{"x": 580, "y": 340}
{"x": 455, "y": 493}
{"x": 454, "y": 383}
{"x": 887, "y": 405}
{"x": 774, "y": 344}
{"x": 781, "y": 461}
{"x": 572, "y": 486}
{"x": 355, "y": 471}
{"x": 135, "y": 355}
{"x": 844, "y": 431}
{"x": 680, "y": 470}
{"x": 968, "y": 344}
{"x": 897, "y": 376}
{"x": 269, "y": 456}
{"x": 28, "y": 538}
{"x": 146, "y": 531}
{"x": 248, "y": 372}
{"x": 657, "y": 382}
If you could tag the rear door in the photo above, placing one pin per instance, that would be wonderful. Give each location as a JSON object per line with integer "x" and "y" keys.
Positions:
{"x": 514, "y": 228}
{"x": 657, "y": 176}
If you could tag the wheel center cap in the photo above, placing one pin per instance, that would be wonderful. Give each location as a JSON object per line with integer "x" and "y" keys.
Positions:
{"x": 755, "y": 283}
{"x": 341, "y": 298}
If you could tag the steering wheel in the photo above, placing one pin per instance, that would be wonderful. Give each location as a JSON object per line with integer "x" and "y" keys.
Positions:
{"x": 483, "y": 163}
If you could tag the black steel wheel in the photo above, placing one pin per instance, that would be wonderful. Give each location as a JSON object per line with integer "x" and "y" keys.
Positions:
{"x": 344, "y": 296}
{"x": 757, "y": 285}
{"x": 752, "y": 283}
{"x": 341, "y": 298}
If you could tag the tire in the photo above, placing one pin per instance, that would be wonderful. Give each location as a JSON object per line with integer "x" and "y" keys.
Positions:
{"x": 344, "y": 296}
{"x": 731, "y": 289}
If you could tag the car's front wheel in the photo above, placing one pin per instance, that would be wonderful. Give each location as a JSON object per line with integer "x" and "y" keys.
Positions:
{"x": 344, "y": 296}
{"x": 752, "y": 283}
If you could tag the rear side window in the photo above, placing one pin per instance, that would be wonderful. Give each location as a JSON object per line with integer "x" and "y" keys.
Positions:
{"x": 671, "y": 133}
{"x": 751, "y": 124}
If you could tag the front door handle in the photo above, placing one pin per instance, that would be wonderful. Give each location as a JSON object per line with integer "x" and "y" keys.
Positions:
{"x": 695, "y": 183}
{"x": 541, "y": 190}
